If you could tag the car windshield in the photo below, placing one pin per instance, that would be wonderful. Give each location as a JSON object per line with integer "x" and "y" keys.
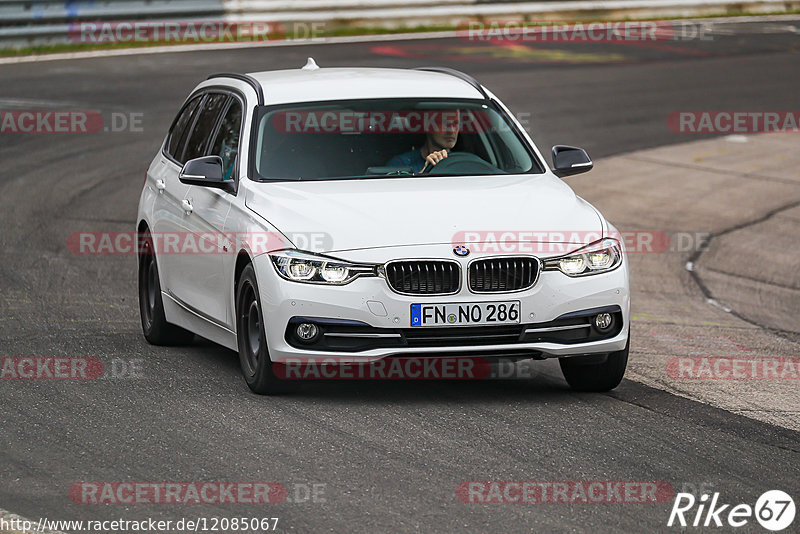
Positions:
{"x": 386, "y": 138}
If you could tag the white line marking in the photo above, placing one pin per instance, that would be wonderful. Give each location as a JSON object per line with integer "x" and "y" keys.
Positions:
{"x": 24, "y": 103}
{"x": 736, "y": 138}
{"x": 714, "y": 302}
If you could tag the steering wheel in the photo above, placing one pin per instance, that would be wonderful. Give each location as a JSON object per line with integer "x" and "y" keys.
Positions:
{"x": 461, "y": 163}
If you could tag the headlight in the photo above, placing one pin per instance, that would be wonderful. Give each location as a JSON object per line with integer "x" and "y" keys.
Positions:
{"x": 306, "y": 267}
{"x": 598, "y": 257}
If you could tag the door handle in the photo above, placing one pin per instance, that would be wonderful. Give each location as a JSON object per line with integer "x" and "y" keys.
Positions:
{"x": 187, "y": 205}
{"x": 160, "y": 185}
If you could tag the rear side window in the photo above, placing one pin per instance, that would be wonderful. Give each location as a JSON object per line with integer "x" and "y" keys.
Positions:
{"x": 204, "y": 126}
{"x": 177, "y": 136}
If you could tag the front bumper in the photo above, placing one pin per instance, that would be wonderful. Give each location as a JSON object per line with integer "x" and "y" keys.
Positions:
{"x": 371, "y": 305}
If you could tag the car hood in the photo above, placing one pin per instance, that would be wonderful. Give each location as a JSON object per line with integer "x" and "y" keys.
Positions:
{"x": 340, "y": 215}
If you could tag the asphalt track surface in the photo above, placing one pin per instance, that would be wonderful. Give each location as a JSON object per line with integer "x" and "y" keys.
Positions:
{"x": 391, "y": 454}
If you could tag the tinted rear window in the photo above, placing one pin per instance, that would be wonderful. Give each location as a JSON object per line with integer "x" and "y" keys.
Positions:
{"x": 204, "y": 126}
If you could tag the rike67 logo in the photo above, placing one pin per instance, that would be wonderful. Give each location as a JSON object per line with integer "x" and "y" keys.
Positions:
{"x": 774, "y": 510}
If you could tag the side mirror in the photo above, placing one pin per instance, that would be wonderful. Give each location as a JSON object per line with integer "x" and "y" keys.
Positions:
{"x": 569, "y": 160}
{"x": 206, "y": 171}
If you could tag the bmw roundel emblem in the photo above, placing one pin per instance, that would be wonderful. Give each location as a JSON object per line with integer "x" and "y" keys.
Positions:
{"x": 461, "y": 250}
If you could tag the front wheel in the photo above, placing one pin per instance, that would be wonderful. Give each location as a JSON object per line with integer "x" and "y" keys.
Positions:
{"x": 257, "y": 367}
{"x": 584, "y": 375}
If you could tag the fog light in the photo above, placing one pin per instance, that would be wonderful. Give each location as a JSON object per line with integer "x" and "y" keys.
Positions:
{"x": 306, "y": 331}
{"x": 603, "y": 321}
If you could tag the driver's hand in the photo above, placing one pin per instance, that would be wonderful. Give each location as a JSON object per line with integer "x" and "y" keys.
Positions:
{"x": 435, "y": 157}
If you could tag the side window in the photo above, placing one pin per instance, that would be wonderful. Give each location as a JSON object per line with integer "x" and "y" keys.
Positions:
{"x": 226, "y": 142}
{"x": 204, "y": 126}
{"x": 177, "y": 136}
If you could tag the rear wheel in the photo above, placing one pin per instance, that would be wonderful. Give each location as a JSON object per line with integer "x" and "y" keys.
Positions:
{"x": 155, "y": 327}
{"x": 257, "y": 367}
{"x": 585, "y": 374}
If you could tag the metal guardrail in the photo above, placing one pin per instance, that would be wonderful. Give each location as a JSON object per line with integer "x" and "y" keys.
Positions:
{"x": 47, "y": 22}
{"x": 15, "y": 11}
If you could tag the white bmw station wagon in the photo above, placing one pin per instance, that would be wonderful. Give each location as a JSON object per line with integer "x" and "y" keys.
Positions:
{"x": 357, "y": 214}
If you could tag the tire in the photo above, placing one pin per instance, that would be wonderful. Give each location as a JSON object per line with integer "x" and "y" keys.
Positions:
{"x": 584, "y": 375}
{"x": 257, "y": 366}
{"x": 156, "y": 329}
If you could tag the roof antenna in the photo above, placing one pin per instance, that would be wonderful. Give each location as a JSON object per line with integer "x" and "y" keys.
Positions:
{"x": 311, "y": 64}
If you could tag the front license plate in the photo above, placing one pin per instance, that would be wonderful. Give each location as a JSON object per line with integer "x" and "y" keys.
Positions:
{"x": 465, "y": 313}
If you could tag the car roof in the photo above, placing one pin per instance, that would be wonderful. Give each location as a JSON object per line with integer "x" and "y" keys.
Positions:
{"x": 319, "y": 84}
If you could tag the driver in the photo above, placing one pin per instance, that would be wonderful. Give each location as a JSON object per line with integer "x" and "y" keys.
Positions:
{"x": 437, "y": 144}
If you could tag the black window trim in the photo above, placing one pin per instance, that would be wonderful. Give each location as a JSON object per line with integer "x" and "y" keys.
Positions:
{"x": 246, "y": 78}
{"x": 540, "y": 165}
{"x": 190, "y": 128}
{"x": 207, "y": 145}
{"x": 202, "y": 93}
